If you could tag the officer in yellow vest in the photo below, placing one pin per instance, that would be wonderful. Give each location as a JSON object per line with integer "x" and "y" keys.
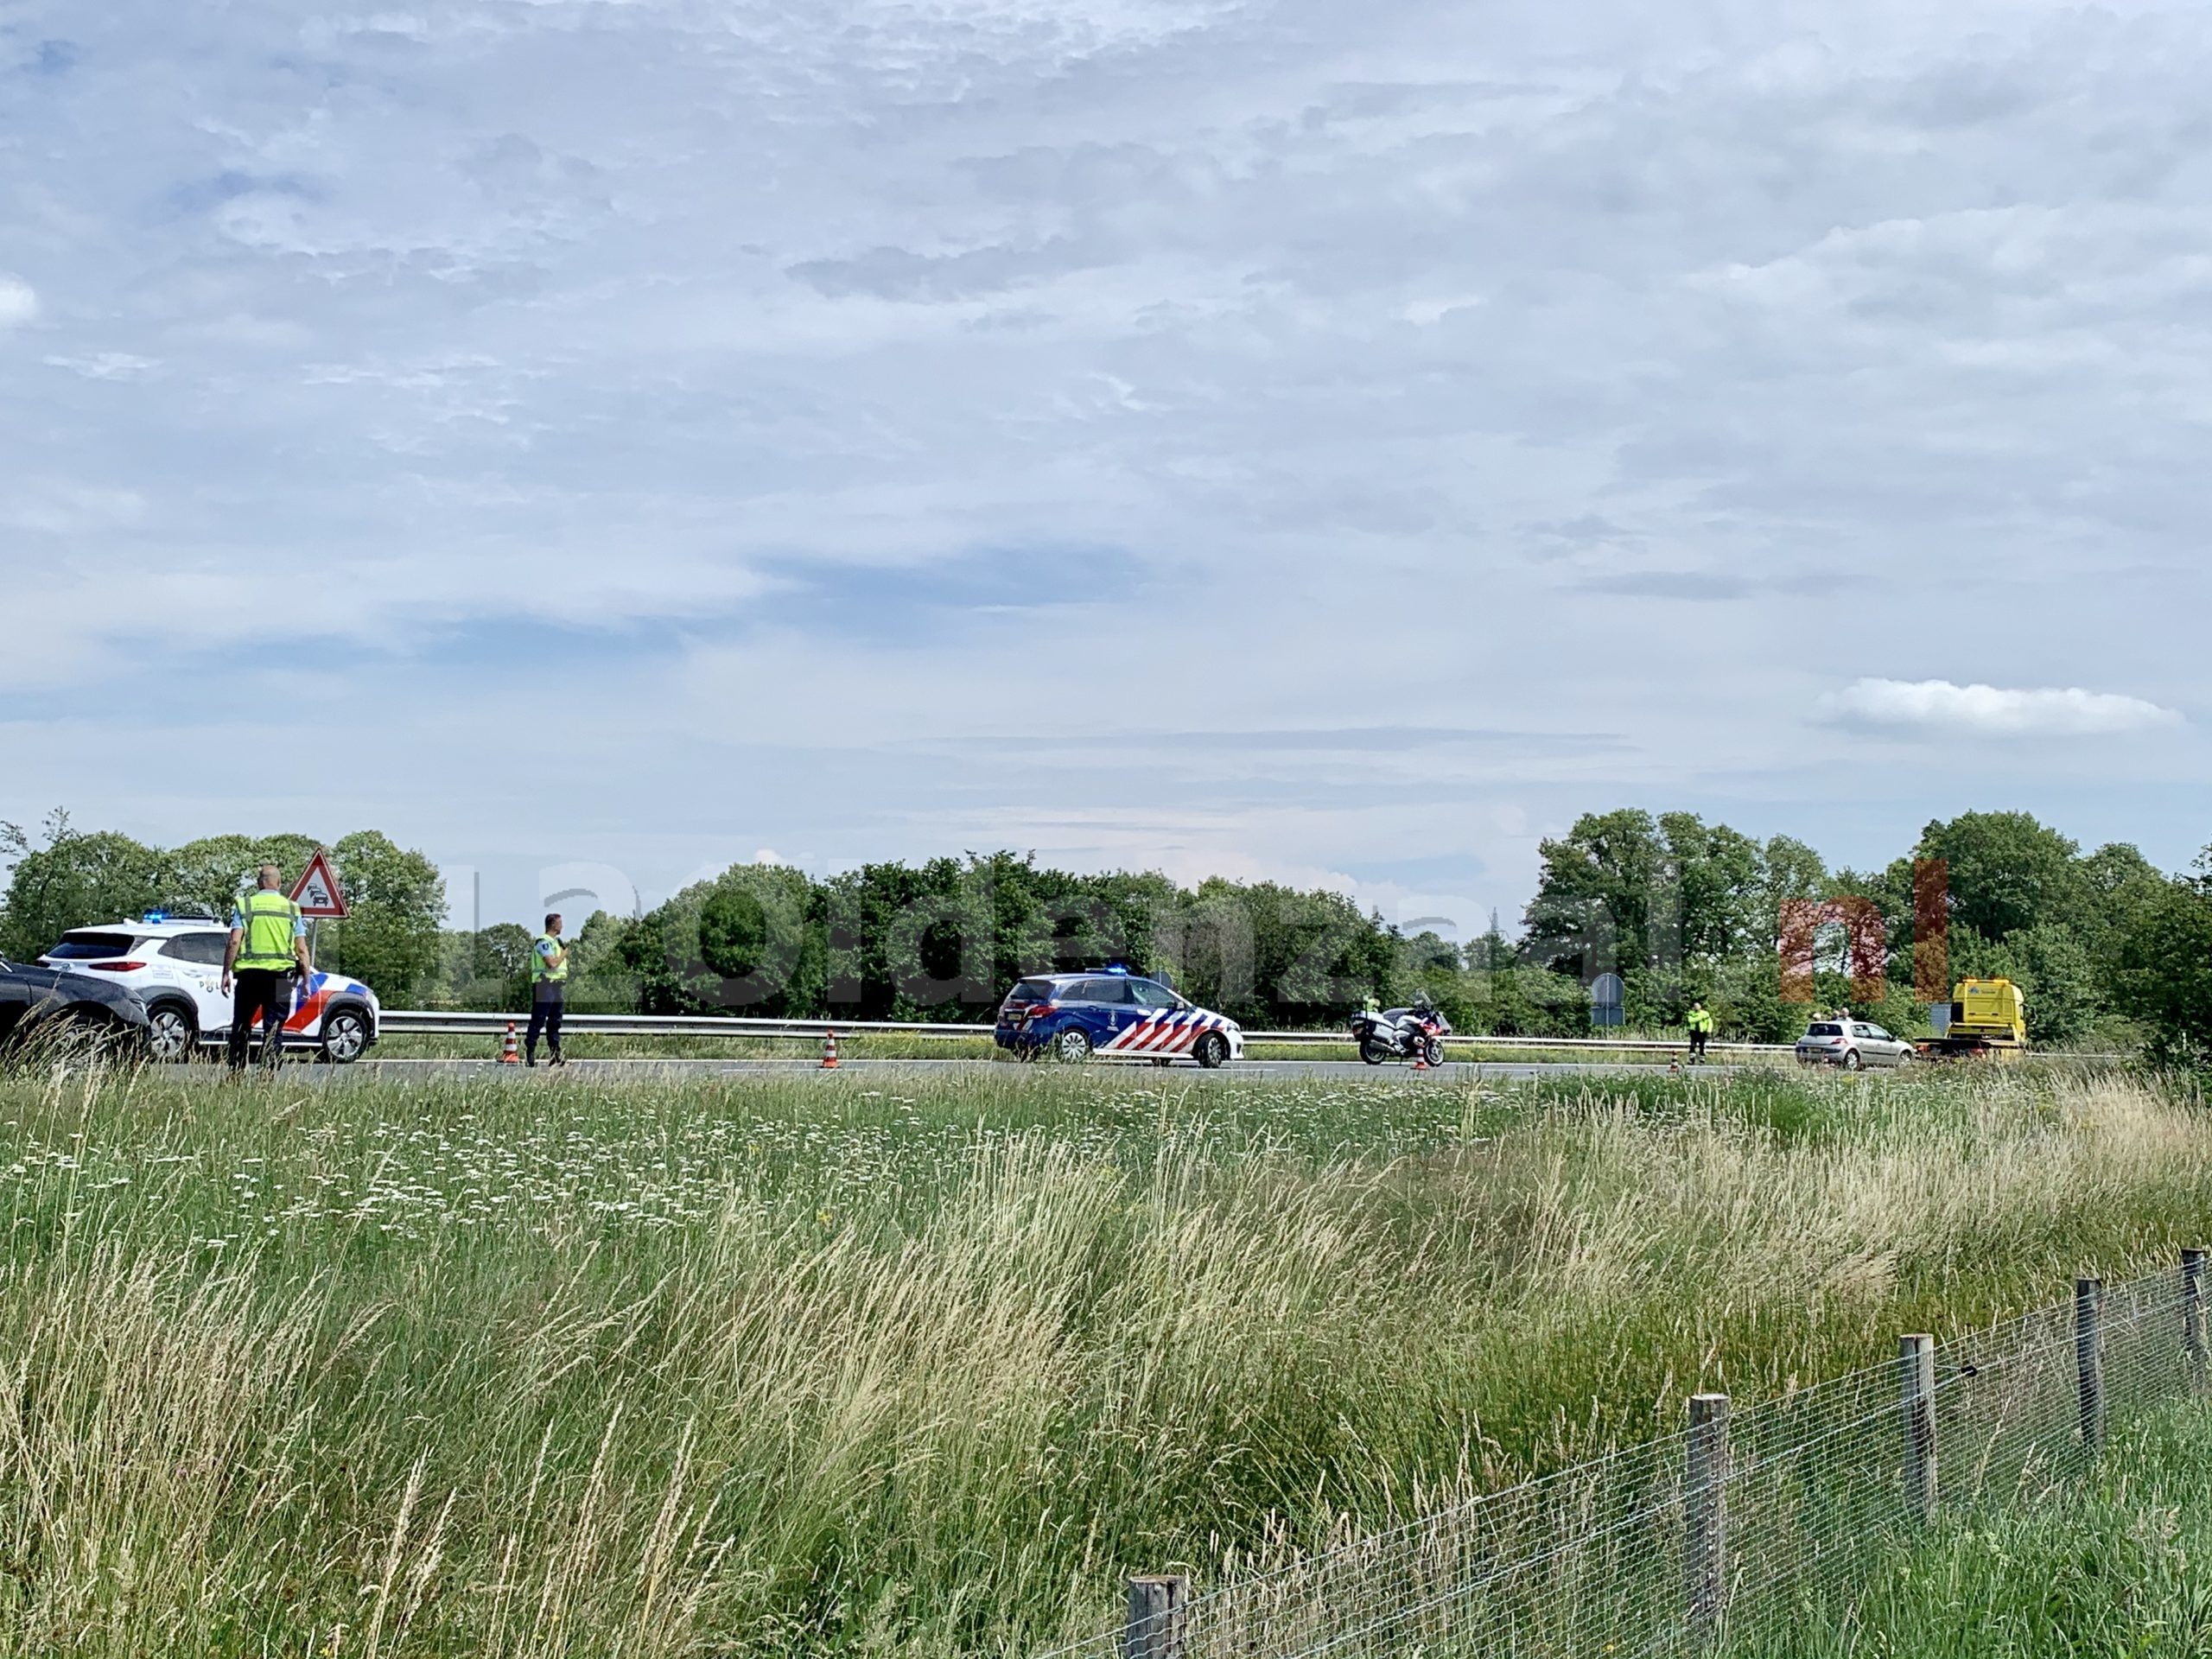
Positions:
{"x": 548, "y": 992}
{"x": 268, "y": 945}
{"x": 1700, "y": 1025}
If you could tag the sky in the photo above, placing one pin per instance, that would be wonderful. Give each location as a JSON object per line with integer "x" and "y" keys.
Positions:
{"x": 599, "y": 441}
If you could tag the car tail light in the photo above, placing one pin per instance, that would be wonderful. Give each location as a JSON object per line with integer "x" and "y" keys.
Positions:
{"x": 116, "y": 967}
{"x": 1038, "y": 1010}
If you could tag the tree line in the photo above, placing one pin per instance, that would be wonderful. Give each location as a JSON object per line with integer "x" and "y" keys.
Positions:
{"x": 64, "y": 878}
{"x": 2107, "y": 947}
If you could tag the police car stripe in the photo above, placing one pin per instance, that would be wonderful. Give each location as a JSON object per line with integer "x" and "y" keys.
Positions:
{"x": 1166, "y": 1032}
{"x": 310, "y": 1010}
{"x": 1164, "y": 1040}
{"x": 1139, "y": 1036}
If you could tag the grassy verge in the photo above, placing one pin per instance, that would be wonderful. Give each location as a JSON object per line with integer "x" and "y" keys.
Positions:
{"x": 919, "y": 1367}
{"x": 2113, "y": 1568}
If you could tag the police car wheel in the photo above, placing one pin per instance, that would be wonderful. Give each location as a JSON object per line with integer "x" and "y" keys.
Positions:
{"x": 345, "y": 1035}
{"x": 1211, "y": 1050}
{"x": 170, "y": 1033}
{"x": 1071, "y": 1046}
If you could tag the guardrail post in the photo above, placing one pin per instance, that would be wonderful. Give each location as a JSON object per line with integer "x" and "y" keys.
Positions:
{"x": 1157, "y": 1617}
{"x": 2192, "y": 1315}
{"x": 1917, "y": 1374}
{"x": 2089, "y": 1362}
{"x": 1705, "y": 1512}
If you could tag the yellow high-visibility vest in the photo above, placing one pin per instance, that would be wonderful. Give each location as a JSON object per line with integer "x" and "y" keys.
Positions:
{"x": 270, "y": 922}
{"x": 542, "y": 971}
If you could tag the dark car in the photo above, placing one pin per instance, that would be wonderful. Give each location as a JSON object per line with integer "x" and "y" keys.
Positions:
{"x": 36, "y": 1000}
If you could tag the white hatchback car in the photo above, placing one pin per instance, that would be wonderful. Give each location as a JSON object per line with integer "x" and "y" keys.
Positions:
{"x": 1852, "y": 1044}
{"x": 176, "y": 969}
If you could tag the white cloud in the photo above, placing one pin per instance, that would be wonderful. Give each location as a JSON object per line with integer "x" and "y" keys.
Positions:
{"x": 18, "y": 303}
{"x": 107, "y": 366}
{"x": 1938, "y": 708}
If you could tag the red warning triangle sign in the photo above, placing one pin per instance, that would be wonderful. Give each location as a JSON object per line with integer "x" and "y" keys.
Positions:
{"x": 316, "y": 891}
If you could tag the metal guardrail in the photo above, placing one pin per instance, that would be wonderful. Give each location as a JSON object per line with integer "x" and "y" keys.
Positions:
{"x": 433, "y": 1022}
{"x": 426, "y": 1022}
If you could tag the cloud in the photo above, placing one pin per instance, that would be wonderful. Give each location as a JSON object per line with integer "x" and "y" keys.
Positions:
{"x": 1070, "y": 409}
{"x": 18, "y": 303}
{"x": 107, "y": 366}
{"x": 1937, "y": 708}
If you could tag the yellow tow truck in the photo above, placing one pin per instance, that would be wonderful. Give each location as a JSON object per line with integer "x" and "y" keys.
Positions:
{"x": 1989, "y": 1021}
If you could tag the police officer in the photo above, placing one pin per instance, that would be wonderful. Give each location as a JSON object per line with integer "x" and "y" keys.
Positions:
{"x": 1700, "y": 1025}
{"x": 268, "y": 945}
{"x": 549, "y": 980}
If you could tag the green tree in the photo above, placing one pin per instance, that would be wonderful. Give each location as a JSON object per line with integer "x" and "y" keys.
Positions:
{"x": 2007, "y": 871}
{"x": 395, "y": 900}
{"x": 598, "y": 981}
{"x": 1509, "y": 996}
{"x": 69, "y": 879}
{"x": 1745, "y": 1001}
{"x": 1592, "y": 909}
{"x": 2059, "y": 979}
{"x": 1720, "y": 878}
{"x": 2164, "y": 980}
{"x": 499, "y": 966}
{"x": 209, "y": 875}
{"x": 2119, "y": 880}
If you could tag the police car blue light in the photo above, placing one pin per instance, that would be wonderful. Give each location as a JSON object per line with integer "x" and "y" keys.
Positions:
{"x": 1115, "y": 1014}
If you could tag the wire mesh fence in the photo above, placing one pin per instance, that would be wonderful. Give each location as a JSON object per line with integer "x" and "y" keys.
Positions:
{"x": 1733, "y": 1530}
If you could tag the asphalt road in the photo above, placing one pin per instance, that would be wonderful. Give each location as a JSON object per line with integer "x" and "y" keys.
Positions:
{"x": 636, "y": 1069}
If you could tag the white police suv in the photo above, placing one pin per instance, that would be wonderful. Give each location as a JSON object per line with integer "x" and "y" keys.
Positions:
{"x": 175, "y": 966}
{"x": 1115, "y": 1015}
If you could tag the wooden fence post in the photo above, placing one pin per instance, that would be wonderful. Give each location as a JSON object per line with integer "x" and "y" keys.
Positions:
{"x": 1705, "y": 1512}
{"x": 2089, "y": 1362}
{"x": 1917, "y": 1374}
{"x": 2192, "y": 1315}
{"x": 1155, "y": 1627}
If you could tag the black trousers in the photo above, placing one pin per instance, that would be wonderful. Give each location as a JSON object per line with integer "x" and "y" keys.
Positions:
{"x": 264, "y": 994}
{"x": 1697, "y": 1044}
{"x": 544, "y": 1016}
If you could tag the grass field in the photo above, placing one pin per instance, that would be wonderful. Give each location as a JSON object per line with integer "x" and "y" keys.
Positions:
{"x": 2113, "y": 1568}
{"x": 530, "y": 1365}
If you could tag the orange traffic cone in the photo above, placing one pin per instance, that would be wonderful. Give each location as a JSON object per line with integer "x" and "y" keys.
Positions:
{"x": 1420, "y": 1060}
{"x": 829, "y": 1051}
{"x": 509, "y": 1052}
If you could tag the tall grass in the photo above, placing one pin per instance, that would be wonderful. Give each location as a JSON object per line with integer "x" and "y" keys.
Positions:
{"x": 2112, "y": 1567}
{"x": 532, "y": 1365}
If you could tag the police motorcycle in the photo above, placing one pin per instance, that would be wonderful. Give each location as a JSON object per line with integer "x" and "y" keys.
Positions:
{"x": 1415, "y": 1033}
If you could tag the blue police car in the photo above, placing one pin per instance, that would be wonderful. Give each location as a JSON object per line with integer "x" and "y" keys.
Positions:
{"x": 1115, "y": 1014}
